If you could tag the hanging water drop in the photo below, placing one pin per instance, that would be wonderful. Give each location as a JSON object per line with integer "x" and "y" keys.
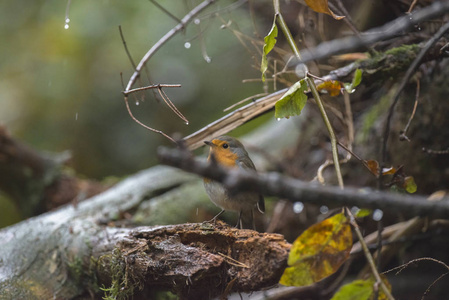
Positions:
{"x": 197, "y": 21}
{"x": 137, "y": 102}
{"x": 278, "y": 119}
{"x": 298, "y": 207}
{"x": 324, "y": 209}
{"x": 66, "y": 26}
{"x": 377, "y": 215}
{"x": 187, "y": 122}
{"x": 187, "y": 45}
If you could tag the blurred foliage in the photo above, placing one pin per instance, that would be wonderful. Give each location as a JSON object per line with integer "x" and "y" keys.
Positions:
{"x": 9, "y": 213}
{"x": 61, "y": 88}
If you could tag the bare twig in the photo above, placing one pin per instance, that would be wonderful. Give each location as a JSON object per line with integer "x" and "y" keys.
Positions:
{"x": 412, "y": 6}
{"x": 403, "y": 266}
{"x": 167, "y": 12}
{"x": 403, "y": 134}
{"x": 145, "y": 126}
{"x": 153, "y": 86}
{"x": 233, "y": 120}
{"x": 436, "y": 152}
{"x": 245, "y": 100}
{"x": 368, "y": 256}
{"x": 126, "y": 47}
{"x": 171, "y": 105}
{"x": 187, "y": 19}
{"x": 413, "y": 67}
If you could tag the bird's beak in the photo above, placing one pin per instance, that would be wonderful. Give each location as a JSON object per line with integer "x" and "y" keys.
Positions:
{"x": 209, "y": 143}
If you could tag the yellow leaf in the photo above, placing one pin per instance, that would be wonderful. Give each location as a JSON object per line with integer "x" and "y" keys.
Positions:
{"x": 333, "y": 87}
{"x": 318, "y": 252}
{"x": 410, "y": 185}
{"x": 321, "y": 6}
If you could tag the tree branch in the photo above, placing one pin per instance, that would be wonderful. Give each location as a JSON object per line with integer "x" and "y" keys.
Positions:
{"x": 275, "y": 184}
{"x": 187, "y": 19}
{"x": 371, "y": 36}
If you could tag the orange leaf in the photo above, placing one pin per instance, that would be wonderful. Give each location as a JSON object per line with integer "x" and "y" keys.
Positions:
{"x": 333, "y": 87}
{"x": 388, "y": 171}
{"x": 321, "y": 6}
{"x": 373, "y": 166}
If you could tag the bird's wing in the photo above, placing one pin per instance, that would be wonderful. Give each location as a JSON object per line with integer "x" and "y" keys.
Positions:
{"x": 248, "y": 164}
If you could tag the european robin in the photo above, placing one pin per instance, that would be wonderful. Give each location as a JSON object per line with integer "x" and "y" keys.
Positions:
{"x": 229, "y": 152}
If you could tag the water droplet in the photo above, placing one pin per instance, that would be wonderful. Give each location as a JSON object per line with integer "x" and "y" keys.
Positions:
{"x": 377, "y": 215}
{"x": 67, "y": 20}
{"x": 355, "y": 210}
{"x": 278, "y": 119}
{"x": 324, "y": 209}
{"x": 197, "y": 21}
{"x": 137, "y": 102}
{"x": 187, "y": 122}
{"x": 207, "y": 59}
{"x": 66, "y": 26}
{"x": 298, "y": 207}
{"x": 187, "y": 45}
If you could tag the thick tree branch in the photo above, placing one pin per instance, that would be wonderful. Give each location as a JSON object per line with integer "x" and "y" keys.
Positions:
{"x": 384, "y": 32}
{"x": 71, "y": 251}
{"x": 376, "y": 70}
{"x": 275, "y": 184}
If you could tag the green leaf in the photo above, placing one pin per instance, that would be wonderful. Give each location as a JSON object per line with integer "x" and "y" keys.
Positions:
{"x": 350, "y": 87}
{"x": 361, "y": 290}
{"x": 363, "y": 212}
{"x": 292, "y": 102}
{"x": 270, "y": 41}
{"x": 318, "y": 252}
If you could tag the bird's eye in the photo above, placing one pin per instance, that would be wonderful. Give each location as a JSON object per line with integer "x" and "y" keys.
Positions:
{"x": 225, "y": 146}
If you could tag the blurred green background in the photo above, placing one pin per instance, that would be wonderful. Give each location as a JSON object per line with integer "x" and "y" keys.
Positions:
{"x": 60, "y": 88}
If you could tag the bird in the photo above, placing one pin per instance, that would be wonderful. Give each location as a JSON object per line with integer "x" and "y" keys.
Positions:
{"x": 229, "y": 152}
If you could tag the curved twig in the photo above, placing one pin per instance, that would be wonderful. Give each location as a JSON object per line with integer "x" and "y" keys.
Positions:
{"x": 187, "y": 19}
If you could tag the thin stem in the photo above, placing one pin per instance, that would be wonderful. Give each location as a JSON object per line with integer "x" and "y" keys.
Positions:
{"x": 368, "y": 255}
{"x": 332, "y": 136}
{"x": 285, "y": 30}
{"x": 126, "y": 47}
{"x": 153, "y": 86}
{"x": 145, "y": 126}
{"x": 291, "y": 42}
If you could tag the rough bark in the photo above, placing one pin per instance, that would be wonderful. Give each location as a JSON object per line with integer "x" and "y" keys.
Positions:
{"x": 73, "y": 251}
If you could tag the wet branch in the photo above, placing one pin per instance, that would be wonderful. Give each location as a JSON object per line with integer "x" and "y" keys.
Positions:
{"x": 275, "y": 184}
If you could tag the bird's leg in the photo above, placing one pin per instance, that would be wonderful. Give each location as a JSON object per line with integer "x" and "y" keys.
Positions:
{"x": 239, "y": 221}
{"x": 253, "y": 219}
{"x": 214, "y": 219}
